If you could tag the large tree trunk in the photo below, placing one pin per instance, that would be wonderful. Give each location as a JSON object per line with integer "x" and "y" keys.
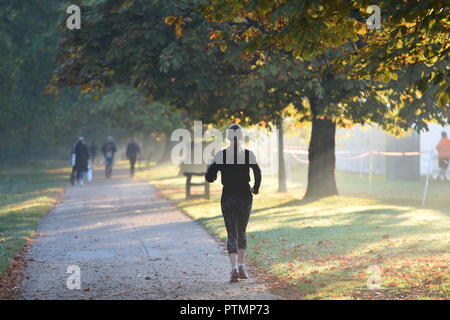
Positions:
{"x": 281, "y": 166}
{"x": 322, "y": 159}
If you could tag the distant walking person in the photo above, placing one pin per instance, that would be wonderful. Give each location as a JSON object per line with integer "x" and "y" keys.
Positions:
{"x": 109, "y": 149}
{"x": 81, "y": 154}
{"x": 133, "y": 151}
{"x": 73, "y": 174}
{"x": 93, "y": 152}
{"x": 234, "y": 163}
{"x": 443, "y": 149}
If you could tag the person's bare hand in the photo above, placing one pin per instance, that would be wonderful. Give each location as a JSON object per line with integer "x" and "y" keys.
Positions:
{"x": 254, "y": 191}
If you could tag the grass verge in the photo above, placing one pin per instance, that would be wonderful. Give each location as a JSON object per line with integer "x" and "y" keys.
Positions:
{"x": 27, "y": 192}
{"x": 332, "y": 248}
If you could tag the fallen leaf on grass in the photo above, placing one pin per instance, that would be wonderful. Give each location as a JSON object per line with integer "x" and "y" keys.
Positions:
{"x": 392, "y": 284}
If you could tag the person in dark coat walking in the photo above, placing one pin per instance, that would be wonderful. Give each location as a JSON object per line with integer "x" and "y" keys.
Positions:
{"x": 81, "y": 160}
{"x": 133, "y": 151}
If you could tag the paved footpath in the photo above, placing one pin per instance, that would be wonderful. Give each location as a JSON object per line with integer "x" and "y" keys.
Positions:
{"x": 129, "y": 243}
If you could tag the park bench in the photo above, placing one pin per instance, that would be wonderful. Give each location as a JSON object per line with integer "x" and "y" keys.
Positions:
{"x": 189, "y": 184}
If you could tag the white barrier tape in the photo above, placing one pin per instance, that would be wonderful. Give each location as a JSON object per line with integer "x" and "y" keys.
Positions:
{"x": 383, "y": 153}
{"x": 397, "y": 154}
{"x": 294, "y": 148}
{"x": 303, "y": 151}
{"x": 361, "y": 156}
{"x": 299, "y": 160}
{"x": 347, "y": 151}
{"x": 286, "y": 148}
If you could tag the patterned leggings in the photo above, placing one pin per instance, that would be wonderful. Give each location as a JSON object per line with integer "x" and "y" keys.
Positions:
{"x": 236, "y": 212}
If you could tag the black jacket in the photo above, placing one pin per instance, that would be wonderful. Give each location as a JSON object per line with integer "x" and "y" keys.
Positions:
{"x": 235, "y": 171}
{"x": 133, "y": 149}
{"x": 81, "y": 156}
{"x": 109, "y": 147}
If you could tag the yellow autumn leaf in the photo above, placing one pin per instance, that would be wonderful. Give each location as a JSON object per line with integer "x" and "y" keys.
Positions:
{"x": 362, "y": 31}
{"x": 179, "y": 30}
{"x": 170, "y": 20}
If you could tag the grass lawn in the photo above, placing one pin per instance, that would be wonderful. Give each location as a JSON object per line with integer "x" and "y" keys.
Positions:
{"x": 27, "y": 192}
{"x": 323, "y": 249}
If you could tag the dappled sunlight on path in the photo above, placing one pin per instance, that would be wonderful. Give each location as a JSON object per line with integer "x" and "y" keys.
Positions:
{"x": 129, "y": 244}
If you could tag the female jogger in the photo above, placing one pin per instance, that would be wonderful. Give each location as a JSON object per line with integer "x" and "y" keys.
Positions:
{"x": 234, "y": 163}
